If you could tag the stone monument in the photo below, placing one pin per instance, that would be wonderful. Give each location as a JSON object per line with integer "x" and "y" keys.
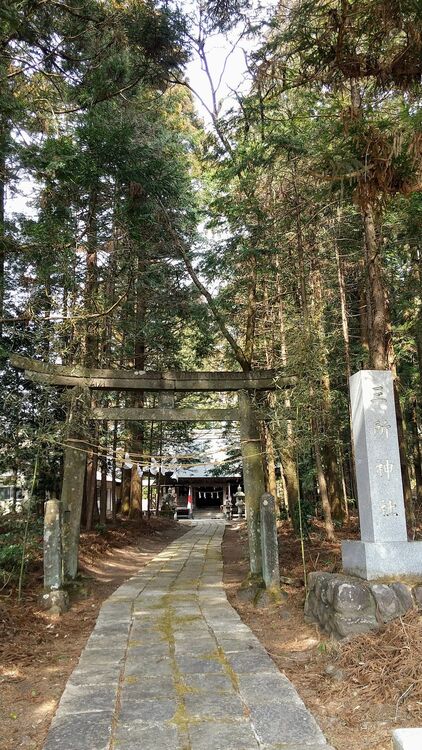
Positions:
{"x": 382, "y": 576}
{"x": 384, "y": 550}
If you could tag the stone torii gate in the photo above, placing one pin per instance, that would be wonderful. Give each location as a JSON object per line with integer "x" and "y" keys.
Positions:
{"x": 82, "y": 380}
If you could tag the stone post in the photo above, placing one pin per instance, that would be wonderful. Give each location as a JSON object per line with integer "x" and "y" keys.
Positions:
{"x": 383, "y": 549}
{"x": 269, "y": 543}
{"x": 52, "y": 546}
{"x": 253, "y": 478}
{"x": 53, "y": 598}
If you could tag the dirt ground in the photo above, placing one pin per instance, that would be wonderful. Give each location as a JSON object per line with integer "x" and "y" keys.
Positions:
{"x": 349, "y": 719}
{"x": 38, "y": 652}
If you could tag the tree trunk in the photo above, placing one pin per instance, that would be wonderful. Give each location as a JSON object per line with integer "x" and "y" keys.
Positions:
{"x": 253, "y": 478}
{"x": 323, "y": 490}
{"x": 103, "y": 492}
{"x": 343, "y": 307}
{"x": 345, "y": 477}
{"x": 270, "y": 478}
{"x": 287, "y": 453}
{"x": 2, "y": 230}
{"x": 379, "y": 333}
{"x": 125, "y": 491}
{"x": 286, "y": 448}
{"x": 404, "y": 464}
{"x": 417, "y": 452}
{"x": 334, "y": 483}
{"x": 138, "y": 430}
{"x": 91, "y": 347}
{"x": 113, "y": 476}
{"x": 380, "y": 348}
{"x": 364, "y": 303}
{"x": 417, "y": 327}
{"x": 91, "y": 487}
{"x": 91, "y": 280}
{"x": 135, "y": 492}
{"x": 73, "y": 482}
{"x": 327, "y": 452}
{"x": 14, "y": 488}
{"x": 160, "y": 477}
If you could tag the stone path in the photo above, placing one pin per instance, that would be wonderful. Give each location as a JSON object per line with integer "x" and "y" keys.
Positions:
{"x": 171, "y": 666}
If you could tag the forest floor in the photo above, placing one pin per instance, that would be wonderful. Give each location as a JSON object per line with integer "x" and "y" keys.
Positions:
{"x": 339, "y": 682}
{"x": 38, "y": 652}
{"x": 354, "y": 688}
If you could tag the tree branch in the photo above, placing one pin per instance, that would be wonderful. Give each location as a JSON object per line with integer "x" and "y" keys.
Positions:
{"x": 52, "y": 318}
{"x": 237, "y": 350}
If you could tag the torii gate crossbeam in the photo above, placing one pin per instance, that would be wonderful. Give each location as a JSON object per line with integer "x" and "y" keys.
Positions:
{"x": 82, "y": 380}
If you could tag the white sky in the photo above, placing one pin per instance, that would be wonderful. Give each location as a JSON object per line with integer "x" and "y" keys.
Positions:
{"x": 226, "y": 63}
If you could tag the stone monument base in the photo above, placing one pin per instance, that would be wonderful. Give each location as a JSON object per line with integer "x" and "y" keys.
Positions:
{"x": 343, "y": 605}
{"x": 380, "y": 560}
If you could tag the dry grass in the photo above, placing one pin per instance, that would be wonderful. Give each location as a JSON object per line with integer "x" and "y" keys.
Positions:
{"x": 385, "y": 666}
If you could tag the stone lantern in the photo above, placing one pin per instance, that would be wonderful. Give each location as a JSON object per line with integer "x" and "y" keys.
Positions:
{"x": 239, "y": 497}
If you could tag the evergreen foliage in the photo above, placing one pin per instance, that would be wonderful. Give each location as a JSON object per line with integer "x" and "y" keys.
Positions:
{"x": 286, "y": 235}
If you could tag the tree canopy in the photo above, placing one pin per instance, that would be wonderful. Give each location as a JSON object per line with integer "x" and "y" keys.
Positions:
{"x": 283, "y": 233}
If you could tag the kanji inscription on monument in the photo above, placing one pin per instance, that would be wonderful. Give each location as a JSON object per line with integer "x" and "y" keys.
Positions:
{"x": 383, "y": 549}
{"x": 378, "y": 475}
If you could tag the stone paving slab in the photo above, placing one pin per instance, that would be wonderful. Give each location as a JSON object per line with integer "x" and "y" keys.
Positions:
{"x": 171, "y": 666}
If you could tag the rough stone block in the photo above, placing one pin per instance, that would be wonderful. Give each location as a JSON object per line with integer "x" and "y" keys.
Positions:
{"x": 404, "y": 594}
{"x": 332, "y": 587}
{"x": 345, "y": 626}
{"x": 321, "y": 584}
{"x": 417, "y": 593}
{"x": 312, "y": 579}
{"x": 310, "y": 604}
{"x": 387, "y": 601}
{"x": 352, "y": 598}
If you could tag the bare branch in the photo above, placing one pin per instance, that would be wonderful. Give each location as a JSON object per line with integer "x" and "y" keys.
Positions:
{"x": 184, "y": 252}
{"x": 54, "y": 318}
